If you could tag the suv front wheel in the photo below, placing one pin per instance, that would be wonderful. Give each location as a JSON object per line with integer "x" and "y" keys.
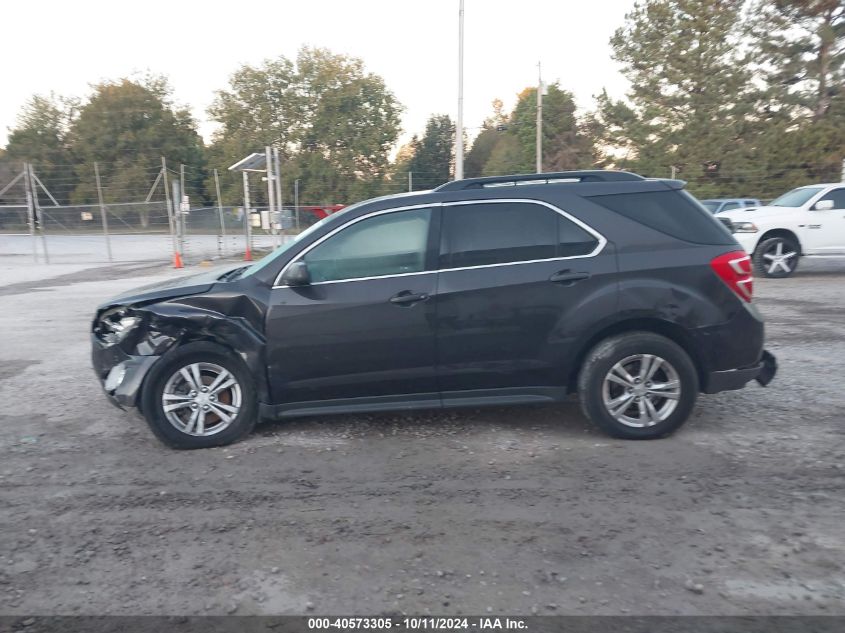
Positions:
{"x": 638, "y": 385}
{"x": 199, "y": 395}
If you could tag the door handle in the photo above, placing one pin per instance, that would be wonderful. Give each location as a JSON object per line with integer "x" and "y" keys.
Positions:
{"x": 568, "y": 277}
{"x": 407, "y": 298}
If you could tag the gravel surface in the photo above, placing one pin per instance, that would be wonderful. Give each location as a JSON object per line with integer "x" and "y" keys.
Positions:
{"x": 503, "y": 510}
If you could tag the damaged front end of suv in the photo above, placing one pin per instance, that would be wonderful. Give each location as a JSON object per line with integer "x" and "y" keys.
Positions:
{"x": 132, "y": 333}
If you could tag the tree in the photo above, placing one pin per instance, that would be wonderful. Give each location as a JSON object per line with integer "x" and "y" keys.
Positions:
{"x": 126, "y": 127}
{"x": 507, "y": 157}
{"x": 41, "y": 138}
{"x": 691, "y": 98}
{"x": 484, "y": 144}
{"x": 333, "y": 123}
{"x": 564, "y": 145}
{"x": 800, "y": 49}
{"x": 800, "y": 54}
{"x": 431, "y": 162}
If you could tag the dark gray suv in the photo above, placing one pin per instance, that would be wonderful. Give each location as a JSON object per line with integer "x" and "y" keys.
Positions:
{"x": 516, "y": 289}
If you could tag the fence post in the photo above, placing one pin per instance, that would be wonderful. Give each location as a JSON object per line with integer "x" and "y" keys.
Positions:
{"x": 296, "y": 202}
{"x": 247, "y": 220}
{"x": 278, "y": 173}
{"x": 843, "y": 170}
{"x": 36, "y": 208}
{"x": 221, "y": 236}
{"x": 102, "y": 210}
{"x": 177, "y": 257}
{"x": 410, "y": 181}
{"x": 30, "y": 211}
{"x": 270, "y": 172}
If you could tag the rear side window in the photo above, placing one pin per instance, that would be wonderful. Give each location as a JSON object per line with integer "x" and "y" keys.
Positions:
{"x": 675, "y": 213}
{"x": 504, "y": 232}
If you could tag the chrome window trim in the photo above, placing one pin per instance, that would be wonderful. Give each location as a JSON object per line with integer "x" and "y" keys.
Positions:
{"x": 602, "y": 241}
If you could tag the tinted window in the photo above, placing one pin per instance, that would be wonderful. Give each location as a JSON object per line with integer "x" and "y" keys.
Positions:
{"x": 711, "y": 205}
{"x": 387, "y": 244}
{"x": 730, "y": 205}
{"x": 675, "y": 213}
{"x": 838, "y": 197}
{"x": 498, "y": 233}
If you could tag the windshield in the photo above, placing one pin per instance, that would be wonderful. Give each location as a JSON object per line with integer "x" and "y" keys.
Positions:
{"x": 284, "y": 248}
{"x": 796, "y": 197}
{"x": 710, "y": 205}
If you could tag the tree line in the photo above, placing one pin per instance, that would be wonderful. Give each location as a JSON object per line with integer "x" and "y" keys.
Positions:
{"x": 739, "y": 97}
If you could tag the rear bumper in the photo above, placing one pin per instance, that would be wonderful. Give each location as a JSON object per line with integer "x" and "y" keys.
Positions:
{"x": 763, "y": 372}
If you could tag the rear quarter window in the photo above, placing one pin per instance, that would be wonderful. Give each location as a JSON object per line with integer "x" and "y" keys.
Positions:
{"x": 674, "y": 213}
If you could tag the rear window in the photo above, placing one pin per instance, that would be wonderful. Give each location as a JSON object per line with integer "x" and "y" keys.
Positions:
{"x": 674, "y": 213}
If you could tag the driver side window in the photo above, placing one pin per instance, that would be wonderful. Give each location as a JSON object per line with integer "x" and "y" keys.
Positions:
{"x": 838, "y": 197}
{"x": 387, "y": 244}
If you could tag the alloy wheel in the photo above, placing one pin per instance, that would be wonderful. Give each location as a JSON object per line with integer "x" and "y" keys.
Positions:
{"x": 201, "y": 399}
{"x": 775, "y": 259}
{"x": 641, "y": 390}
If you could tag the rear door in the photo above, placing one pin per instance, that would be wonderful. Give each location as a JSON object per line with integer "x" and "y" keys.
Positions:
{"x": 364, "y": 326}
{"x": 518, "y": 282}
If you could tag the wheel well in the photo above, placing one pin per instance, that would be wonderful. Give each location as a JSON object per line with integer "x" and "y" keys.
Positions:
{"x": 784, "y": 233}
{"x": 671, "y": 331}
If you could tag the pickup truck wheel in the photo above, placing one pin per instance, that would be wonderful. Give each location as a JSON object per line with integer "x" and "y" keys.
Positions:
{"x": 777, "y": 257}
{"x": 638, "y": 385}
{"x": 198, "y": 396}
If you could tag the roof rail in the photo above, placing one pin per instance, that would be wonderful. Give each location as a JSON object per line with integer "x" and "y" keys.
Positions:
{"x": 589, "y": 175}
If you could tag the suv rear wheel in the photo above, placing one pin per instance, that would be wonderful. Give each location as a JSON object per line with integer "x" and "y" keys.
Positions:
{"x": 777, "y": 257}
{"x": 638, "y": 385}
{"x": 198, "y": 396}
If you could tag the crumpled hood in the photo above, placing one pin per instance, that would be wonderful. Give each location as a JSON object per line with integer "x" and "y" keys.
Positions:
{"x": 176, "y": 287}
{"x": 757, "y": 214}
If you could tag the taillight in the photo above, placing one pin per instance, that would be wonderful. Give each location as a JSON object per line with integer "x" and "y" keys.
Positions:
{"x": 734, "y": 269}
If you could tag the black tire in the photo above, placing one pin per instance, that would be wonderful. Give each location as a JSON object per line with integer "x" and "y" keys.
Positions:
{"x": 207, "y": 353}
{"x": 622, "y": 348}
{"x": 768, "y": 248}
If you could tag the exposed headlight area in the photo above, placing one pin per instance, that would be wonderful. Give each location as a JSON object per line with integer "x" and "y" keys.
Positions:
{"x": 744, "y": 227}
{"x": 115, "y": 325}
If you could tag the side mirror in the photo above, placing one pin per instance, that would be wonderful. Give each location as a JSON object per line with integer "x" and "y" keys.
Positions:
{"x": 297, "y": 274}
{"x": 823, "y": 205}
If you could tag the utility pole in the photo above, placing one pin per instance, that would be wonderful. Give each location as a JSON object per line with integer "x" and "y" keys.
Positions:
{"x": 103, "y": 215}
{"x": 539, "y": 119}
{"x": 459, "y": 128}
{"x": 221, "y": 243}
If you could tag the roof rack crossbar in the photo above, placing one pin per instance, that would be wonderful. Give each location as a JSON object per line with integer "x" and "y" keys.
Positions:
{"x": 588, "y": 175}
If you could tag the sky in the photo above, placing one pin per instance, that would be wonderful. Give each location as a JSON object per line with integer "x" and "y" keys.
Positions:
{"x": 412, "y": 44}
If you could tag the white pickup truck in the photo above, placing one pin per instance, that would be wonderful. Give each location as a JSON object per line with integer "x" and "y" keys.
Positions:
{"x": 806, "y": 222}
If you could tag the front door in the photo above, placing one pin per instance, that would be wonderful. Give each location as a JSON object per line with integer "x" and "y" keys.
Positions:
{"x": 825, "y": 229}
{"x": 517, "y": 279}
{"x": 364, "y": 326}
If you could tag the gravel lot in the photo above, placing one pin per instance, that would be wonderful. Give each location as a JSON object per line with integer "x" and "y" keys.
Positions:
{"x": 504, "y": 510}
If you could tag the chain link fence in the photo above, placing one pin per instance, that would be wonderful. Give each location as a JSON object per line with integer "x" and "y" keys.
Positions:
{"x": 34, "y": 224}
